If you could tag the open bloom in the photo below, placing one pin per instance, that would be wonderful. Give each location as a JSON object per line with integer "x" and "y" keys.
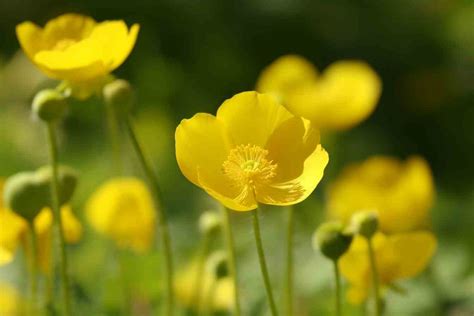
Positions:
{"x": 252, "y": 151}
{"x": 400, "y": 192}
{"x": 398, "y": 256}
{"x": 122, "y": 209}
{"x": 344, "y": 95}
{"x": 76, "y": 48}
{"x": 193, "y": 296}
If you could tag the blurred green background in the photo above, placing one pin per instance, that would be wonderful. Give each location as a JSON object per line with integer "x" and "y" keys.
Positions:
{"x": 190, "y": 56}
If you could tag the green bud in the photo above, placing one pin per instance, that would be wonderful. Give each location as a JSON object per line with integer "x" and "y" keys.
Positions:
{"x": 26, "y": 194}
{"x": 67, "y": 178}
{"x": 209, "y": 222}
{"x": 119, "y": 94}
{"x": 217, "y": 265}
{"x": 365, "y": 223}
{"x": 331, "y": 240}
{"x": 49, "y": 105}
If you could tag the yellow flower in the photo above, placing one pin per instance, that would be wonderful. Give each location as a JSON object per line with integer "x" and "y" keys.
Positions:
{"x": 76, "y": 48}
{"x": 10, "y": 301}
{"x": 401, "y": 193}
{"x": 185, "y": 289}
{"x": 398, "y": 256}
{"x": 123, "y": 210}
{"x": 12, "y": 231}
{"x": 342, "y": 97}
{"x": 252, "y": 150}
{"x": 44, "y": 229}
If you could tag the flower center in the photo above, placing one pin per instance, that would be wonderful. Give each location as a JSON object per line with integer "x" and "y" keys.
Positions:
{"x": 248, "y": 167}
{"x": 64, "y": 44}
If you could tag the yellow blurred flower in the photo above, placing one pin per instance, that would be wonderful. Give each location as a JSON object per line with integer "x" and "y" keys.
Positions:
{"x": 343, "y": 96}
{"x": 252, "y": 150}
{"x": 123, "y": 210}
{"x": 10, "y": 301}
{"x": 13, "y": 230}
{"x": 185, "y": 289}
{"x": 76, "y": 48}
{"x": 401, "y": 192}
{"x": 398, "y": 256}
{"x": 44, "y": 231}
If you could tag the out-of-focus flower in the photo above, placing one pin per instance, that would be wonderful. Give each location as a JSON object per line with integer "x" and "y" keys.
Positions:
{"x": 12, "y": 231}
{"x": 401, "y": 193}
{"x": 44, "y": 231}
{"x": 252, "y": 151}
{"x": 343, "y": 96}
{"x": 10, "y": 301}
{"x": 77, "y": 49}
{"x": 123, "y": 210}
{"x": 398, "y": 256}
{"x": 185, "y": 289}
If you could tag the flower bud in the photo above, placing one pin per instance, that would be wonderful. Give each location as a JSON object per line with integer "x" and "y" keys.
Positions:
{"x": 217, "y": 265}
{"x": 119, "y": 95}
{"x": 49, "y": 105}
{"x": 330, "y": 239}
{"x": 209, "y": 222}
{"x": 26, "y": 194}
{"x": 67, "y": 178}
{"x": 365, "y": 223}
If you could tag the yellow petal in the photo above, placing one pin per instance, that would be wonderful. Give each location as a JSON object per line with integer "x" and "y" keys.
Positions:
{"x": 251, "y": 118}
{"x": 12, "y": 230}
{"x": 10, "y": 301}
{"x": 285, "y": 74}
{"x": 30, "y": 37}
{"x": 71, "y": 225}
{"x": 414, "y": 252}
{"x": 202, "y": 146}
{"x": 345, "y": 95}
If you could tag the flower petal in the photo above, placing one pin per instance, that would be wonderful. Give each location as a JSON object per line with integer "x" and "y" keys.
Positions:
{"x": 202, "y": 146}
{"x": 285, "y": 74}
{"x": 251, "y": 118}
{"x": 30, "y": 37}
{"x": 414, "y": 252}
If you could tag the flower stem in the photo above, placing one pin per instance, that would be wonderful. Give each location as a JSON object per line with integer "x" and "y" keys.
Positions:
{"x": 227, "y": 228}
{"x": 289, "y": 263}
{"x": 375, "y": 278}
{"x": 114, "y": 135}
{"x": 201, "y": 257}
{"x": 58, "y": 227}
{"x": 337, "y": 280}
{"x": 32, "y": 271}
{"x": 161, "y": 217}
{"x": 263, "y": 264}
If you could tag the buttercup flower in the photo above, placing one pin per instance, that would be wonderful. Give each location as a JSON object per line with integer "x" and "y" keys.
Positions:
{"x": 123, "y": 210}
{"x": 401, "y": 193}
{"x": 44, "y": 229}
{"x": 343, "y": 96}
{"x": 12, "y": 230}
{"x": 252, "y": 151}
{"x": 185, "y": 289}
{"x": 77, "y": 49}
{"x": 398, "y": 256}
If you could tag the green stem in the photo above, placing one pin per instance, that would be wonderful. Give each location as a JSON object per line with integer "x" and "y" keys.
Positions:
{"x": 161, "y": 217}
{"x": 227, "y": 228}
{"x": 32, "y": 271}
{"x": 127, "y": 305}
{"x": 263, "y": 264}
{"x": 57, "y": 219}
{"x": 375, "y": 278}
{"x": 114, "y": 135}
{"x": 202, "y": 256}
{"x": 337, "y": 280}
{"x": 289, "y": 263}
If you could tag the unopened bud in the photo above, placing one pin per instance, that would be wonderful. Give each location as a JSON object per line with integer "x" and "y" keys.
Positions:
{"x": 119, "y": 94}
{"x": 67, "y": 178}
{"x": 331, "y": 240}
{"x": 217, "y": 265}
{"x": 209, "y": 222}
{"x": 365, "y": 223}
{"x": 49, "y": 105}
